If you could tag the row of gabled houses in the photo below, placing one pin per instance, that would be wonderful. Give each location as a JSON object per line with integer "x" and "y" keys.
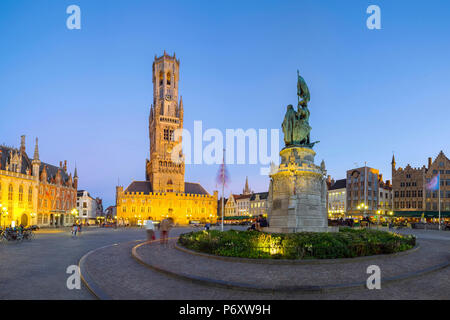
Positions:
{"x": 408, "y": 195}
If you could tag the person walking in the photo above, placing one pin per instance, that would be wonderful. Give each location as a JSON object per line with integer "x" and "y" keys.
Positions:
{"x": 164, "y": 228}
{"x": 74, "y": 230}
{"x": 150, "y": 229}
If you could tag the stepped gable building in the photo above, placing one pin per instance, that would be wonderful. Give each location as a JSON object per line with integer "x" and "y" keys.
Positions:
{"x": 33, "y": 192}
{"x": 258, "y": 204}
{"x": 164, "y": 193}
{"x": 248, "y": 203}
{"x": 411, "y": 197}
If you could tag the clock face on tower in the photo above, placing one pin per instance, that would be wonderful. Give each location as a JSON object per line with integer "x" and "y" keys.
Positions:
{"x": 168, "y": 97}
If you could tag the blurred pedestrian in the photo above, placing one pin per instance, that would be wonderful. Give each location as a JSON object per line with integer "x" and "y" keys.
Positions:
{"x": 74, "y": 230}
{"x": 164, "y": 228}
{"x": 150, "y": 229}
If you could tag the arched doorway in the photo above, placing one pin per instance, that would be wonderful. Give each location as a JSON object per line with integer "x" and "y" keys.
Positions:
{"x": 51, "y": 219}
{"x": 61, "y": 220}
{"x": 24, "y": 220}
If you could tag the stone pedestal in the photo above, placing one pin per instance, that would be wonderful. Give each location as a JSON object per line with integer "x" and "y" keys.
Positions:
{"x": 297, "y": 194}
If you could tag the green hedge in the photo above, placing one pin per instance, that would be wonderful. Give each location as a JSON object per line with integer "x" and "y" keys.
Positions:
{"x": 347, "y": 243}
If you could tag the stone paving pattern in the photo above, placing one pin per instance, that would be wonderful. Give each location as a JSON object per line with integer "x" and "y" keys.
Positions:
{"x": 270, "y": 275}
{"x": 121, "y": 277}
{"x": 37, "y": 270}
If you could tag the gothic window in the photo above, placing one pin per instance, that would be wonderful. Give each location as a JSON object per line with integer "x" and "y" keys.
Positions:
{"x": 10, "y": 192}
{"x": 168, "y": 135}
{"x": 161, "y": 77}
{"x": 20, "y": 194}
{"x": 169, "y": 78}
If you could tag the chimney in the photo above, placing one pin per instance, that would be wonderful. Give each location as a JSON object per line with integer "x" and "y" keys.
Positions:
{"x": 60, "y": 164}
{"x": 65, "y": 166}
{"x": 22, "y": 144}
{"x": 429, "y": 162}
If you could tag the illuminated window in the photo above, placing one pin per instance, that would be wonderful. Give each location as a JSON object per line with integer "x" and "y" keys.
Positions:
{"x": 20, "y": 194}
{"x": 30, "y": 195}
{"x": 10, "y": 192}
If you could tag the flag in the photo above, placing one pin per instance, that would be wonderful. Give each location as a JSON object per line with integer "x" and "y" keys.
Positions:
{"x": 434, "y": 183}
{"x": 222, "y": 175}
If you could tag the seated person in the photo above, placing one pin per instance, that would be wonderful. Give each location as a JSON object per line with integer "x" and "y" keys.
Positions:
{"x": 263, "y": 222}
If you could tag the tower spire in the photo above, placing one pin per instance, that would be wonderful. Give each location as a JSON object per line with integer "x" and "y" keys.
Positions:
{"x": 246, "y": 188}
{"x": 36, "y": 151}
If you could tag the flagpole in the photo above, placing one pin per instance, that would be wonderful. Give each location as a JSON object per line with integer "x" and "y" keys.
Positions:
{"x": 223, "y": 184}
{"x": 439, "y": 181}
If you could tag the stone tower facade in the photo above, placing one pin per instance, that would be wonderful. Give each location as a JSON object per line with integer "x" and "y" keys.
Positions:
{"x": 165, "y": 169}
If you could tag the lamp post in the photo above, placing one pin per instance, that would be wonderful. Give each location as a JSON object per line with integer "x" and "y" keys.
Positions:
{"x": 74, "y": 213}
{"x": 3, "y": 214}
{"x": 362, "y": 206}
{"x": 33, "y": 215}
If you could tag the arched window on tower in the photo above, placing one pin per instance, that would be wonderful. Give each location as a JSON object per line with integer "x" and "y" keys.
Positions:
{"x": 169, "y": 78}
{"x": 161, "y": 78}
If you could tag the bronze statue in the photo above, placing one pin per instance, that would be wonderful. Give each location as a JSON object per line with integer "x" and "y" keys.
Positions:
{"x": 288, "y": 124}
{"x": 296, "y": 126}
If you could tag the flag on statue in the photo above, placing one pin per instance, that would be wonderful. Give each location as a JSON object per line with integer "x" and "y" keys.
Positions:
{"x": 434, "y": 183}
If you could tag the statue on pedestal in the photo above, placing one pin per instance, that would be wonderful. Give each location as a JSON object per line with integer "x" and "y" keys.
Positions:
{"x": 296, "y": 126}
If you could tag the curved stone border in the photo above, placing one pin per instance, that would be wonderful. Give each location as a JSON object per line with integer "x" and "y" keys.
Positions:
{"x": 296, "y": 262}
{"x": 297, "y": 289}
{"x": 90, "y": 284}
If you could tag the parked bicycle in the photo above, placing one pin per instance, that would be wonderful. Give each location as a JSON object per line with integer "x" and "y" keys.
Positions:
{"x": 13, "y": 234}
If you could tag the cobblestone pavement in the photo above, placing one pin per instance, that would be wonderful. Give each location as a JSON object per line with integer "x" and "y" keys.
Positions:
{"x": 37, "y": 269}
{"x": 430, "y": 254}
{"x": 120, "y": 277}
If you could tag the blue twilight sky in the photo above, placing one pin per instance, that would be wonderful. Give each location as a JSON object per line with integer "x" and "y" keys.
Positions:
{"x": 86, "y": 93}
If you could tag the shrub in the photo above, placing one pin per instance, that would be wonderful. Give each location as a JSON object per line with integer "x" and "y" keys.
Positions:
{"x": 347, "y": 243}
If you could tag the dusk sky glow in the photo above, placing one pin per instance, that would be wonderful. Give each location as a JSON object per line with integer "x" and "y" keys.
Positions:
{"x": 86, "y": 94}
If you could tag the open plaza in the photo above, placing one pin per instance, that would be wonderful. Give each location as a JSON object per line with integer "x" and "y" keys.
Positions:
{"x": 118, "y": 264}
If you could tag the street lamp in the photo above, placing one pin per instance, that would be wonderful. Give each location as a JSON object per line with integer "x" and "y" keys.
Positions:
{"x": 362, "y": 206}
{"x": 3, "y": 213}
{"x": 33, "y": 215}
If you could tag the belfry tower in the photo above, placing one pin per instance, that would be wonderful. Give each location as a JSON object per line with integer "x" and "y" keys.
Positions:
{"x": 165, "y": 170}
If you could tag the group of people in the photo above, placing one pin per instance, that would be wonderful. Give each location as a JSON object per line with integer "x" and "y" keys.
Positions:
{"x": 259, "y": 223}
{"x": 164, "y": 228}
{"x": 76, "y": 228}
